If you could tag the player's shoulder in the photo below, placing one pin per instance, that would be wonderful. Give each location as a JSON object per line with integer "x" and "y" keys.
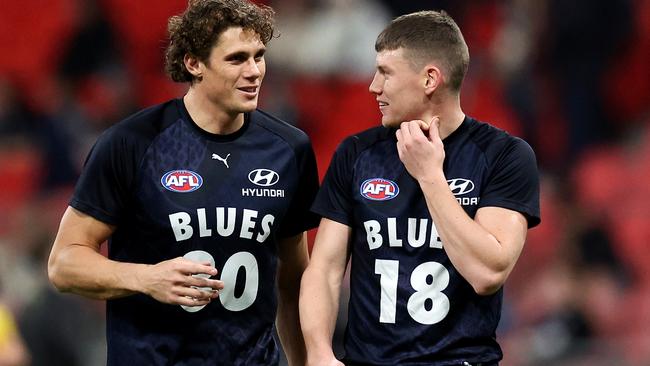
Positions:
{"x": 145, "y": 124}
{"x": 361, "y": 141}
{"x": 283, "y": 130}
{"x": 493, "y": 140}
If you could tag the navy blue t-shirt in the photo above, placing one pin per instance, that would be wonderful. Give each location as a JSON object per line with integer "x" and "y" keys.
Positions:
{"x": 171, "y": 189}
{"x": 408, "y": 304}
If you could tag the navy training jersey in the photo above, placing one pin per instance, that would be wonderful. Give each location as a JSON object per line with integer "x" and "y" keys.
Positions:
{"x": 173, "y": 189}
{"x": 408, "y": 304}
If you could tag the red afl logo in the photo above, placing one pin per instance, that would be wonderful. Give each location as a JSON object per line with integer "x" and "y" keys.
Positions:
{"x": 181, "y": 181}
{"x": 379, "y": 189}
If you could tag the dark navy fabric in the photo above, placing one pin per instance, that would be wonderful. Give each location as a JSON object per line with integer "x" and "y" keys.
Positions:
{"x": 230, "y": 196}
{"x": 408, "y": 304}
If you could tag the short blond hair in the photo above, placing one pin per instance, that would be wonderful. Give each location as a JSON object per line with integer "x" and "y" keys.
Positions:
{"x": 426, "y": 36}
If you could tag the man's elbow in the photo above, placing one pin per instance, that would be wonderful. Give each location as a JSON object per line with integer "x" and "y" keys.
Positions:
{"x": 489, "y": 283}
{"x": 55, "y": 273}
{"x": 316, "y": 276}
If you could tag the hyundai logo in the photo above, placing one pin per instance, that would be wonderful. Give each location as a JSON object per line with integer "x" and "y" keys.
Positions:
{"x": 263, "y": 177}
{"x": 460, "y": 186}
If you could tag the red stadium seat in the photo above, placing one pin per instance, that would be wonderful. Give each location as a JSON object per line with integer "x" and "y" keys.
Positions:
{"x": 31, "y": 35}
{"x": 140, "y": 26}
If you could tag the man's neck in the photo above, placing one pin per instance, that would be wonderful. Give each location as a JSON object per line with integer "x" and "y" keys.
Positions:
{"x": 210, "y": 117}
{"x": 450, "y": 114}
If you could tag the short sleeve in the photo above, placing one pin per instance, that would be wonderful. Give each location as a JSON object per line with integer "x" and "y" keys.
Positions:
{"x": 299, "y": 218}
{"x": 104, "y": 188}
{"x": 514, "y": 182}
{"x": 334, "y": 200}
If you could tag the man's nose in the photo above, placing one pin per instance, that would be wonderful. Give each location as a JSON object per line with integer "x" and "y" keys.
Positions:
{"x": 252, "y": 69}
{"x": 375, "y": 86}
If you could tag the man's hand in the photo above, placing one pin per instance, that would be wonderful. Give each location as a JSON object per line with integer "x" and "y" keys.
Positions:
{"x": 420, "y": 149}
{"x": 174, "y": 282}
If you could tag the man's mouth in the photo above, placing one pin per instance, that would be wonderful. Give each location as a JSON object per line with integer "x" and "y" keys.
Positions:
{"x": 251, "y": 90}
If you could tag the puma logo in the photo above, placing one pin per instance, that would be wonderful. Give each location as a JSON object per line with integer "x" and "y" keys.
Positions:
{"x": 224, "y": 160}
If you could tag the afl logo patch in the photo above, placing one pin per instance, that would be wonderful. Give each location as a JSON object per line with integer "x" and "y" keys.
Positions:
{"x": 182, "y": 181}
{"x": 379, "y": 189}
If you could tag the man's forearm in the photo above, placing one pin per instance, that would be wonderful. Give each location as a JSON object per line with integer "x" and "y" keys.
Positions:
{"x": 81, "y": 270}
{"x": 288, "y": 325}
{"x": 319, "y": 301}
{"x": 476, "y": 253}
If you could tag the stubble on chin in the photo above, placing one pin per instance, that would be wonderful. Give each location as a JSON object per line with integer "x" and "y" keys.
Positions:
{"x": 389, "y": 123}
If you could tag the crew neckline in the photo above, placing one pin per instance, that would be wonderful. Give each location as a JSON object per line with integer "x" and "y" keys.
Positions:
{"x": 209, "y": 135}
{"x": 458, "y": 131}
{"x": 464, "y": 126}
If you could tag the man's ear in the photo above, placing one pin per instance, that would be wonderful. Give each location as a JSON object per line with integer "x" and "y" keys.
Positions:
{"x": 193, "y": 66}
{"x": 433, "y": 78}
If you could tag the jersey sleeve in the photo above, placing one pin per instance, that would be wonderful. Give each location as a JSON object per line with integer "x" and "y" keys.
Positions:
{"x": 103, "y": 190}
{"x": 299, "y": 218}
{"x": 334, "y": 200}
{"x": 514, "y": 182}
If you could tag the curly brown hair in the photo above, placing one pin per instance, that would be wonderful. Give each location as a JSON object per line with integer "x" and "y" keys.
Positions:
{"x": 196, "y": 30}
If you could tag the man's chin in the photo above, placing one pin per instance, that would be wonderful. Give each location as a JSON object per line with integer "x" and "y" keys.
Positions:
{"x": 248, "y": 107}
{"x": 389, "y": 123}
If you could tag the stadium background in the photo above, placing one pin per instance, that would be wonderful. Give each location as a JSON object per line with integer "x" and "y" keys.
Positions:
{"x": 571, "y": 77}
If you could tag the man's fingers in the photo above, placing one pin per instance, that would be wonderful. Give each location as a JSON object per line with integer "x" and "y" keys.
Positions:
{"x": 192, "y": 268}
{"x": 190, "y": 301}
{"x": 406, "y": 133}
{"x": 191, "y": 296}
{"x": 424, "y": 126}
{"x": 435, "y": 121}
{"x": 204, "y": 282}
{"x": 434, "y": 128}
{"x": 189, "y": 267}
{"x": 193, "y": 292}
{"x": 415, "y": 128}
